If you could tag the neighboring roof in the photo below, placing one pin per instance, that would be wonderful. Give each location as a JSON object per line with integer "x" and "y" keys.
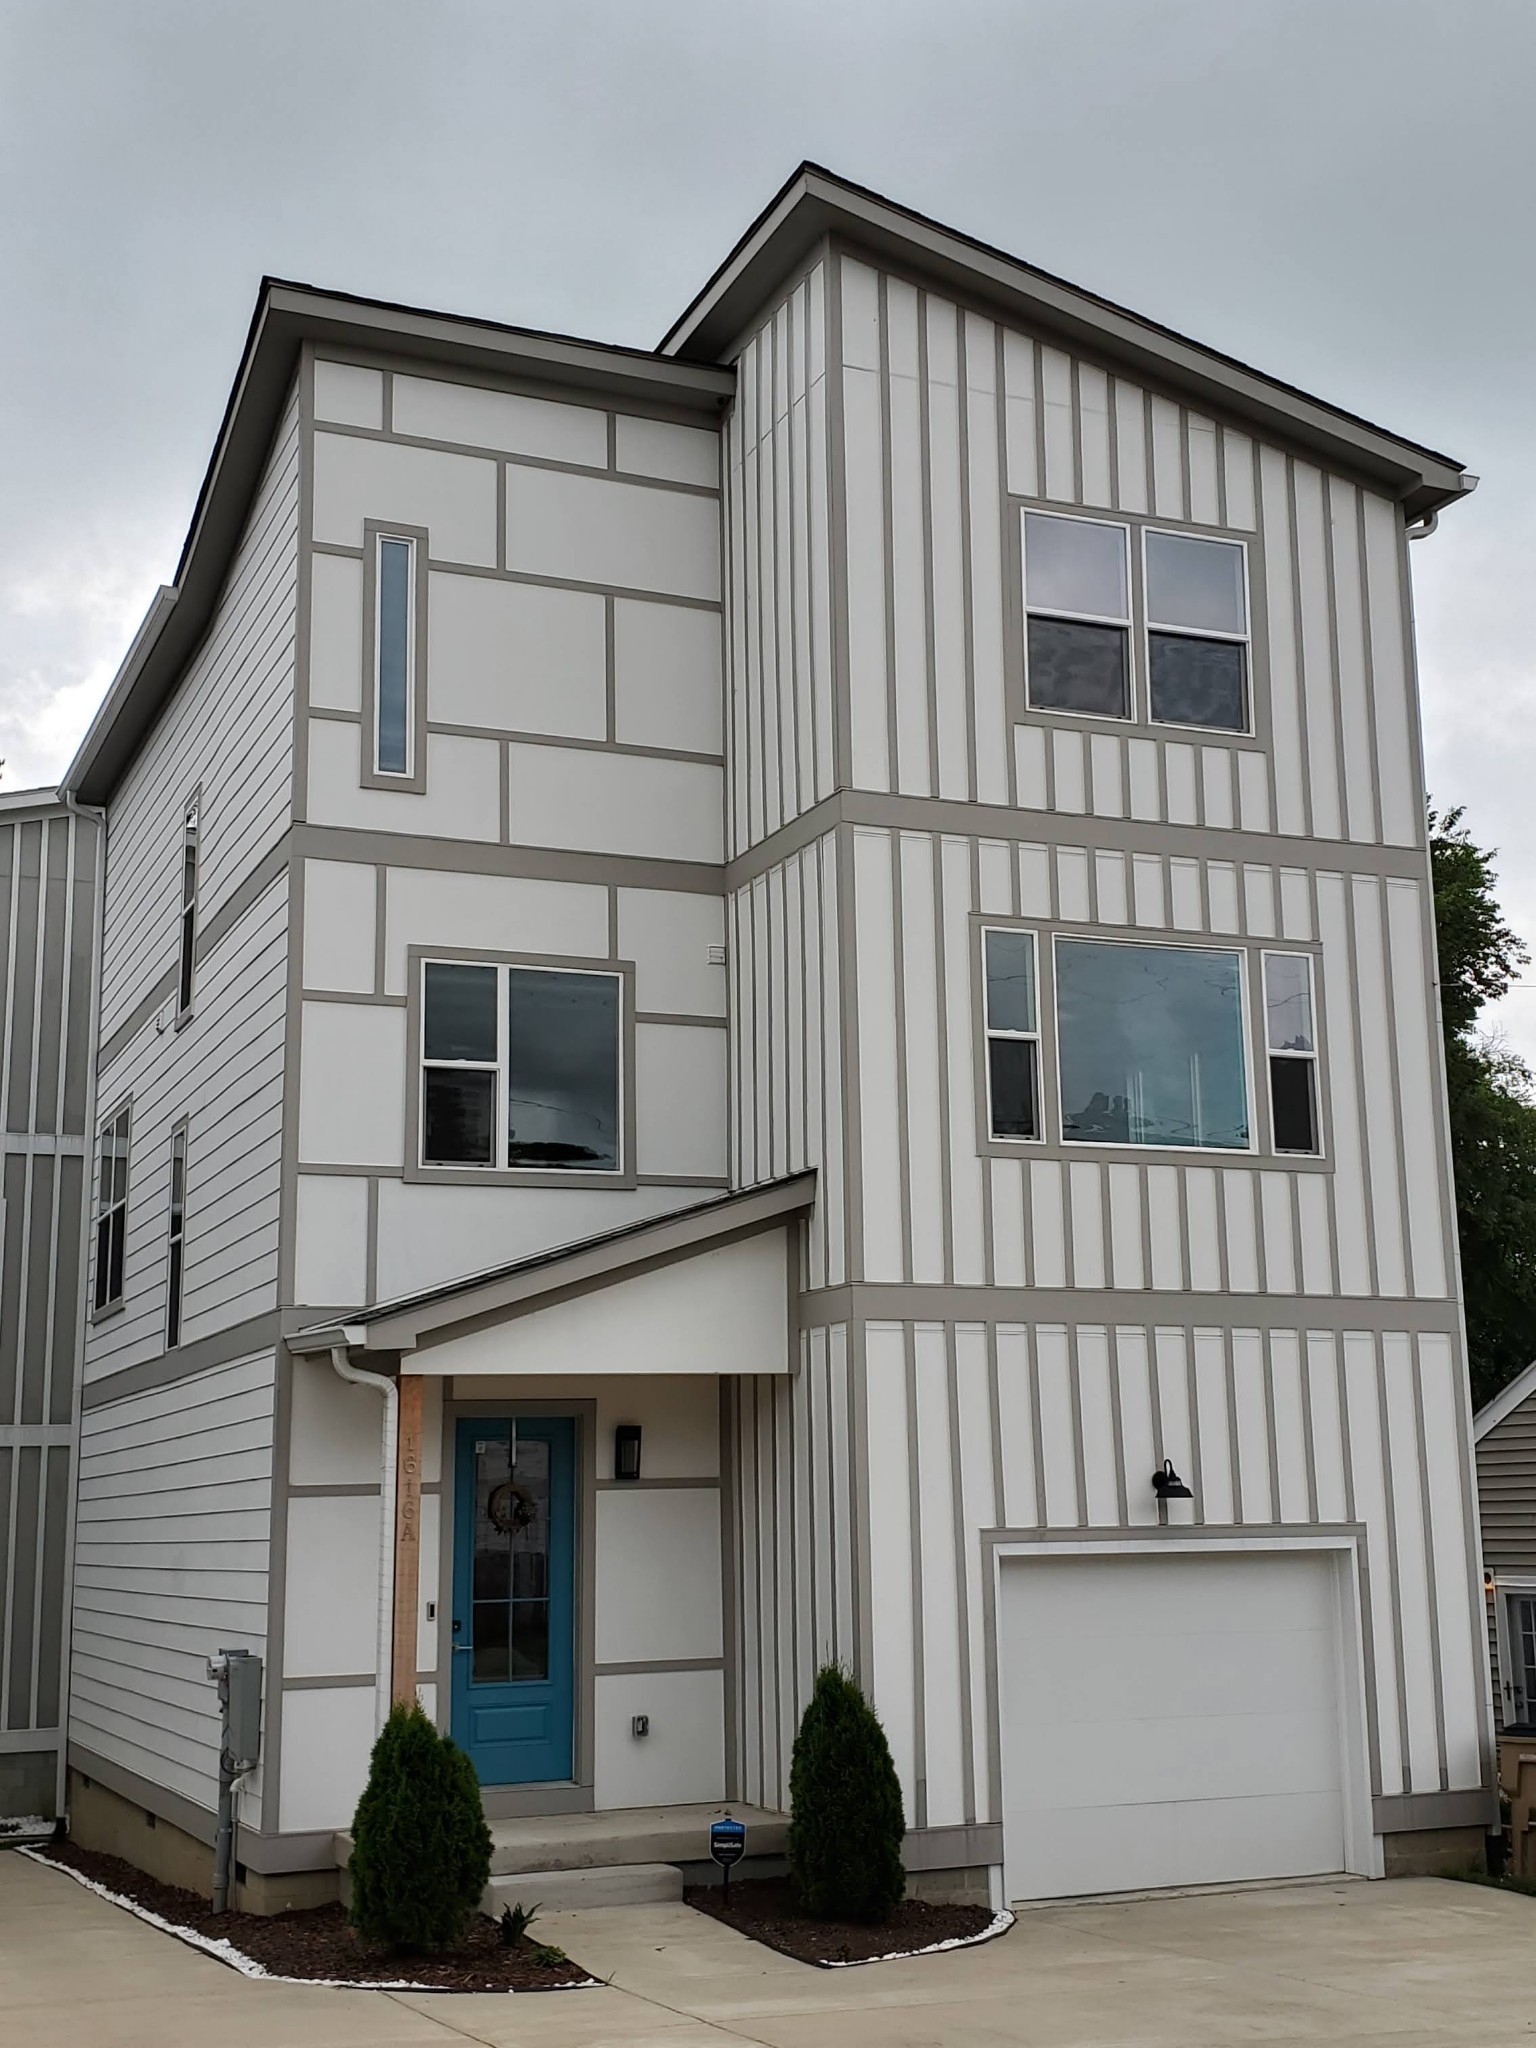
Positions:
{"x": 816, "y": 203}
{"x": 401, "y": 1324}
{"x": 1504, "y": 1403}
{"x": 287, "y": 315}
{"x": 30, "y": 800}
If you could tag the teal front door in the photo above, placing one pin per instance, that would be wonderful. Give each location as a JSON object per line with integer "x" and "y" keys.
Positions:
{"x": 514, "y": 1631}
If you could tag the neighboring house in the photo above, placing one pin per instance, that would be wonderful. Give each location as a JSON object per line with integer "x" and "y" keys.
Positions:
{"x": 48, "y": 900}
{"x": 1505, "y": 1435}
{"x": 742, "y": 984}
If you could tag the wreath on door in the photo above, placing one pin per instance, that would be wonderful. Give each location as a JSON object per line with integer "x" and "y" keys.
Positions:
{"x": 510, "y": 1508}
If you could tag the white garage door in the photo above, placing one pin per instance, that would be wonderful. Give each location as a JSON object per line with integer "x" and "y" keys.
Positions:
{"x": 1168, "y": 1720}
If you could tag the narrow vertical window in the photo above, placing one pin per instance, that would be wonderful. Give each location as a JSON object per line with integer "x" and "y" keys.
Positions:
{"x": 188, "y": 907}
{"x": 394, "y": 666}
{"x": 177, "y": 1236}
{"x": 1013, "y": 1034}
{"x": 111, "y": 1210}
{"x": 1292, "y": 1043}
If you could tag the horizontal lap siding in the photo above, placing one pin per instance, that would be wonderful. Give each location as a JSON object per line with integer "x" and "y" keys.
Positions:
{"x": 1506, "y": 1483}
{"x": 1374, "y": 1224}
{"x": 780, "y": 737}
{"x": 947, "y": 422}
{"x": 229, "y": 730}
{"x": 170, "y": 1566}
{"x": 976, "y": 1426}
{"x": 223, "y": 1072}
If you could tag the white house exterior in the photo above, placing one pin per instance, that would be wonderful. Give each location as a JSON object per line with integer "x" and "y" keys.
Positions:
{"x": 851, "y": 894}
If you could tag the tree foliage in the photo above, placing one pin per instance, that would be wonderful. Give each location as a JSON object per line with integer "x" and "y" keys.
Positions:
{"x": 1492, "y": 1102}
{"x": 846, "y": 1824}
{"x": 421, "y": 1851}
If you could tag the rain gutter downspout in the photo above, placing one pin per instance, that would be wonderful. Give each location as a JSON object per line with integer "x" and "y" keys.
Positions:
{"x": 381, "y": 1384}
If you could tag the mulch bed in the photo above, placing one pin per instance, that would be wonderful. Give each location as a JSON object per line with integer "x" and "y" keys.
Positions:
{"x": 764, "y": 1909}
{"x": 320, "y": 1943}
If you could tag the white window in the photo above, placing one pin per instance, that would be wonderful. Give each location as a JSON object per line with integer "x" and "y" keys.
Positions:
{"x": 1197, "y": 631}
{"x": 1150, "y": 1045}
{"x": 176, "y": 1237}
{"x": 188, "y": 943}
{"x": 521, "y": 1068}
{"x": 111, "y": 1209}
{"x": 1077, "y": 590}
{"x": 1291, "y": 1039}
{"x": 1013, "y": 1034}
{"x": 394, "y": 678}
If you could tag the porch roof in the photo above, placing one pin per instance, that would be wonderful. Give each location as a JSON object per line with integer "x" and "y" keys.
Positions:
{"x": 501, "y": 1292}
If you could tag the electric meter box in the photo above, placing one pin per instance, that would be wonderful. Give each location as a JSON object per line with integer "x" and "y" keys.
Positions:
{"x": 244, "y": 1711}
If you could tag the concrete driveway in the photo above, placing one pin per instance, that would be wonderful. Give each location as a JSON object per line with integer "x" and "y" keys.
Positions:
{"x": 1420, "y": 1963}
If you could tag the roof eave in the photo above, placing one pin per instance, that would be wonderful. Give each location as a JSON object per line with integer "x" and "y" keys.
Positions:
{"x": 814, "y": 205}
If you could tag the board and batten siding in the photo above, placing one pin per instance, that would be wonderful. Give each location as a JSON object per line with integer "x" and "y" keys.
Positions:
{"x": 48, "y": 898}
{"x": 227, "y": 732}
{"x": 950, "y": 424}
{"x": 171, "y": 1564}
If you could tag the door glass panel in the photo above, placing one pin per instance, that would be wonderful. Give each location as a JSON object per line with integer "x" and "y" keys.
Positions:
{"x": 511, "y": 1561}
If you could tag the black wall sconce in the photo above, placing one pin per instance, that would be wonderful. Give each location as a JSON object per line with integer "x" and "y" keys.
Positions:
{"x": 1167, "y": 1484}
{"x": 626, "y": 1451}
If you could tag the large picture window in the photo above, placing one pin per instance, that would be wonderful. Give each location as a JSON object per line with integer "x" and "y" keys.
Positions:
{"x": 1150, "y": 1044}
{"x": 521, "y": 1068}
{"x": 111, "y": 1210}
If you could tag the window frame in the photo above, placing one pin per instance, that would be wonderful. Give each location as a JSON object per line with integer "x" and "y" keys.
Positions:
{"x": 111, "y": 1305}
{"x": 1005, "y": 1142}
{"x": 1219, "y": 538}
{"x": 498, "y": 1174}
{"x": 176, "y": 1239}
{"x": 186, "y": 929}
{"x": 414, "y": 780}
{"x": 1315, "y": 1056}
{"x": 1128, "y": 623}
{"x": 1508, "y": 1588}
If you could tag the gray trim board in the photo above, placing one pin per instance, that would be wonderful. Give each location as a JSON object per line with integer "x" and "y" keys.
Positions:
{"x": 220, "y": 1347}
{"x": 895, "y": 1301}
{"x": 1406, "y": 1813}
{"x": 953, "y": 1848}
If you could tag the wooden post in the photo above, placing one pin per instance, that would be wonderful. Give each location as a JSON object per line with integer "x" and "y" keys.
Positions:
{"x": 407, "y": 1538}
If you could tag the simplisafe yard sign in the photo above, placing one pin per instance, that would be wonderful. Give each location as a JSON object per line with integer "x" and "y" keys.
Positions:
{"x": 727, "y": 1845}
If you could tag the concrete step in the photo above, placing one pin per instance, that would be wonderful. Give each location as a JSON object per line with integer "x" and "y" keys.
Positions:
{"x": 571, "y": 1891}
{"x": 637, "y": 1834}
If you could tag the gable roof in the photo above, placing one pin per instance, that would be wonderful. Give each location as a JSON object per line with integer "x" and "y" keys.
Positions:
{"x": 522, "y": 1284}
{"x": 815, "y": 203}
{"x": 1504, "y": 1403}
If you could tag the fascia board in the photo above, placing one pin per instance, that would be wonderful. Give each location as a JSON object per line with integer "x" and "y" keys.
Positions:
{"x": 1504, "y": 1403}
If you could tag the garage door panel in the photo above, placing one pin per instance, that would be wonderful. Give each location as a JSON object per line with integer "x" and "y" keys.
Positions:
{"x": 1168, "y": 1720}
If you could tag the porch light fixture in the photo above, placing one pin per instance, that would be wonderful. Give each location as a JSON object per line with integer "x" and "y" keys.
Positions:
{"x": 1167, "y": 1484}
{"x": 626, "y": 1451}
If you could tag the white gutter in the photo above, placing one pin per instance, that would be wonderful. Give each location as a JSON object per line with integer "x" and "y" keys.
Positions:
{"x": 386, "y": 1649}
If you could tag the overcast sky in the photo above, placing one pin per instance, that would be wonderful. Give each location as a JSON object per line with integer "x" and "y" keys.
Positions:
{"x": 1339, "y": 191}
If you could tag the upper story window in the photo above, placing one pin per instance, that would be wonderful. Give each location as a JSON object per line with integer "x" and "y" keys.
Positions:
{"x": 1088, "y": 617}
{"x": 394, "y": 678}
{"x": 1291, "y": 1039}
{"x": 521, "y": 1068}
{"x": 188, "y": 938}
{"x": 176, "y": 1237}
{"x": 1013, "y": 1034}
{"x": 111, "y": 1209}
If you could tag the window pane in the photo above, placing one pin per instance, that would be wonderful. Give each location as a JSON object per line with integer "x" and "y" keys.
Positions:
{"x": 1011, "y": 1065}
{"x": 490, "y": 1626}
{"x": 1199, "y": 682}
{"x": 530, "y": 1639}
{"x": 563, "y": 1070}
{"x": 1195, "y": 583}
{"x": 114, "y": 1175}
{"x": 1151, "y": 1044}
{"x": 117, "y": 1232}
{"x": 1293, "y": 1104}
{"x": 394, "y": 655}
{"x": 103, "y": 1262}
{"x": 460, "y": 1022}
{"x": 1073, "y": 667}
{"x": 1010, "y": 981}
{"x": 1073, "y": 565}
{"x": 173, "y": 1296}
{"x": 458, "y": 1116}
{"x": 1288, "y": 1002}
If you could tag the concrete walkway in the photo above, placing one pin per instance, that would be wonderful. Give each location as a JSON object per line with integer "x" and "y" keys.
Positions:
{"x": 1416, "y": 1964}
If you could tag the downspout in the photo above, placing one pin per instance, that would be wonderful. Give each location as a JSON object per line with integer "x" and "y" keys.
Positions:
{"x": 381, "y": 1384}
{"x": 1424, "y": 528}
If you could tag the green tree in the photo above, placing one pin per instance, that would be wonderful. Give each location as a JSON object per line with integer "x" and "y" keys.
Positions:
{"x": 1492, "y": 1102}
{"x": 421, "y": 1851}
{"x": 845, "y": 1821}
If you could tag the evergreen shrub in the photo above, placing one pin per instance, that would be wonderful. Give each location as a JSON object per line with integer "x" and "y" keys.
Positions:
{"x": 846, "y": 1822}
{"x": 421, "y": 1851}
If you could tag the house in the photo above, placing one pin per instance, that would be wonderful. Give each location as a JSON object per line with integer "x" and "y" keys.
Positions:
{"x": 49, "y": 857}
{"x": 771, "y": 1001}
{"x": 1504, "y": 1435}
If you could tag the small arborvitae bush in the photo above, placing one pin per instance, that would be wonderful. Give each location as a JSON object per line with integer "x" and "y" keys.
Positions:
{"x": 845, "y": 1823}
{"x": 421, "y": 1851}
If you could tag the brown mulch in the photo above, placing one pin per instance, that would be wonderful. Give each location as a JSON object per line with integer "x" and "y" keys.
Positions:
{"x": 320, "y": 1943}
{"x": 764, "y": 1909}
